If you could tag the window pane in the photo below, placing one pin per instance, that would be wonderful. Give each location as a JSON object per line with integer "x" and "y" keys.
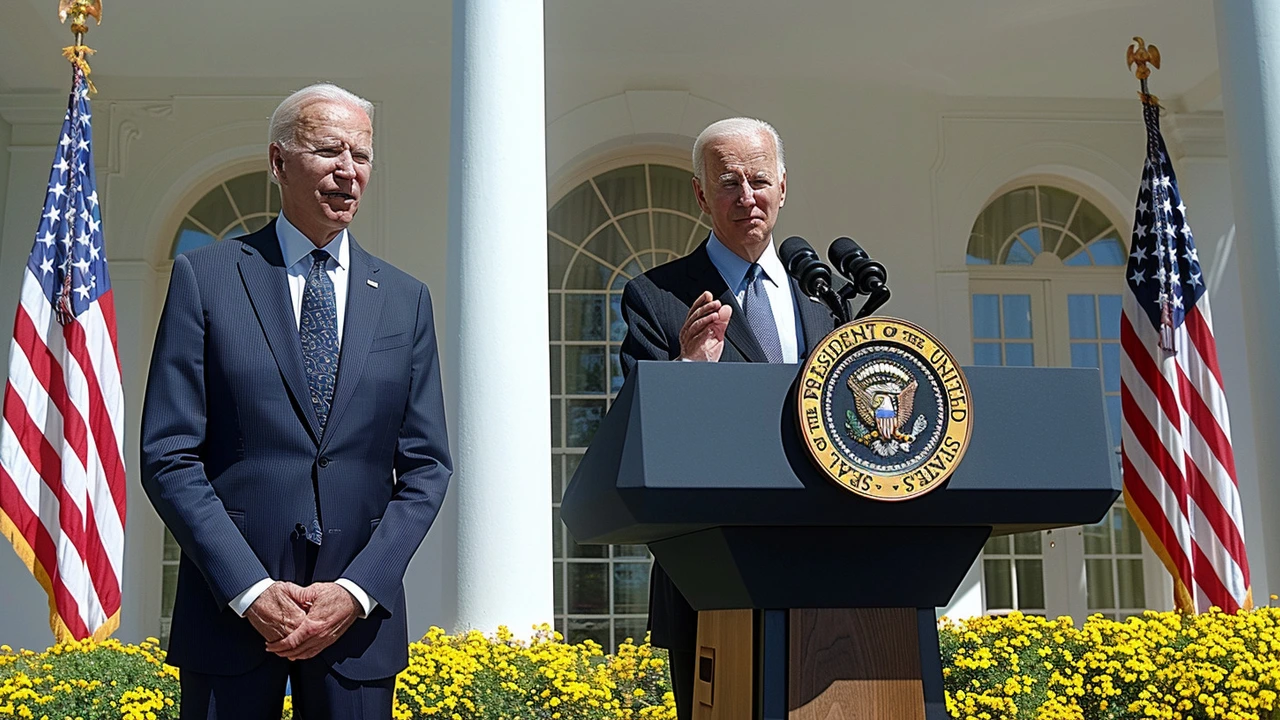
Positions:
{"x": 557, "y": 434}
{"x": 1109, "y": 310}
{"x": 1128, "y": 536}
{"x": 558, "y": 480}
{"x": 1019, "y": 355}
{"x": 584, "y": 370}
{"x": 257, "y": 222}
{"x": 636, "y": 229}
{"x": 1031, "y": 237}
{"x": 1079, "y": 259}
{"x": 670, "y": 188}
{"x": 584, "y": 317}
{"x": 583, "y": 418}
{"x": 1111, "y": 367}
{"x": 1017, "y": 316}
{"x": 624, "y": 189}
{"x": 1108, "y": 252}
{"x": 249, "y": 192}
{"x": 1056, "y": 205}
{"x": 571, "y": 463}
{"x": 1030, "y": 584}
{"x": 214, "y": 210}
{"x": 1101, "y": 586}
{"x": 190, "y": 237}
{"x": 1082, "y": 317}
{"x": 608, "y": 245}
{"x": 1097, "y": 539}
{"x": 580, "y": 629}
{"x": 588, "y": 274}
{"x": 1132, "y": 592}
{"x": 573, "y": 550}
{"x": 631, "y": 587}
{"x": 1084, "y": 355}
{"x": 558, "y": 574}
{"x": 558, "y": 257}
{"x": 556, "y": 388}
{"x": 1027, "y": 543}
{"x": 1089, "y": 222}
{"x": 1113, "y": 418}
{"x": 986, "y": 353}
{"x": 986, "y": 316}
{"x": 557, "y": 534}
{"x": 997, "y": 584}
{"x": 617, "y": 325}
{"x": 588, "y": 588}
{"x": 998, "y": 545}
{"x": 574, "y": 217}
{"x": 624, "y": 628}
{"x": 670, "y": 230}
{"x": 1067, "y": 247}
{"x": 1019, "y": 254}
{"x": 630, "y": 551}
{"x": 171, "y": 549}
{"x": 168, "y": 590}
{"x": 1005, "y": 215}
{"x": 553, "y": 315}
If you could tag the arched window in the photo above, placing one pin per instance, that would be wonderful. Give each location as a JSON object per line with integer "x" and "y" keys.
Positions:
{"x": 605, "y": 231}
{"x": 1046, "y": 277}
{"x": 239, "y": 206}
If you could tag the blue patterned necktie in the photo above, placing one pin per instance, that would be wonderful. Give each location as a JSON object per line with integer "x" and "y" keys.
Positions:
{"x": 755, "y": 305}
{"x": 318, "y": 330}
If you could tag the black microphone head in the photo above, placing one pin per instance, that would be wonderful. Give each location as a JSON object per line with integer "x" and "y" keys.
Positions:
{"x": 843, "y": 251}
{"x": 803, "y": 264}
{"x": 793, "y": 249}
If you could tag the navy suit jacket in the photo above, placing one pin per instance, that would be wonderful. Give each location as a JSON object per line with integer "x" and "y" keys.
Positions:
{"x": 655, "y": 306}
{"x": 233, "y": 456}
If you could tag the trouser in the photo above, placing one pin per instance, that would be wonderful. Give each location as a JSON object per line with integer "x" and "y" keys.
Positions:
{"x": 319, "y": 693}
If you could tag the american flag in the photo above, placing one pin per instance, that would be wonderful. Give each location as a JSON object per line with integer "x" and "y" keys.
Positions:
{"x": 62, "y": 480}
{"x": 1179, "y": 468}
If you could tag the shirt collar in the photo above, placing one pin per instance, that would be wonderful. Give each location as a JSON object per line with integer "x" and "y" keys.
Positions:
{"x": 295, "y": 247}
{"x": 734, "y": 269}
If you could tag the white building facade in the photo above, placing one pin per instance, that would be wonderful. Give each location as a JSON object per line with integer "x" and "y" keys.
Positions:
{"x": 532, "y": 157}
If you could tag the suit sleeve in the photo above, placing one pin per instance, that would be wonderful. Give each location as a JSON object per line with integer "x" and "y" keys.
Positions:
{"x": 173, "y": 437}
{"x": 422, "y": 468}
{"x": 645, "y": 338}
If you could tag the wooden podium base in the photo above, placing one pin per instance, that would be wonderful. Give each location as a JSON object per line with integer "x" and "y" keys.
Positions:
{"x": 826, "y": 664}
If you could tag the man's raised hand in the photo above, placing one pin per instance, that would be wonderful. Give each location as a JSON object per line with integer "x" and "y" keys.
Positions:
{"x": 702, "y": 337}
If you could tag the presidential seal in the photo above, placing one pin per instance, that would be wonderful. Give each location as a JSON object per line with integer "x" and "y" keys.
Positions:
{"x": 884, "y": 409}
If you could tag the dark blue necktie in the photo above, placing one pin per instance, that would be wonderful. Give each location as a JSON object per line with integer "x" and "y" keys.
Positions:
{"x": 755, "y": 305}
{"x": 318, "y": 330}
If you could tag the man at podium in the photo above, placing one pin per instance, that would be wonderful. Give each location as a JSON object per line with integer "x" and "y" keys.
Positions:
{"x": 730, "y": 300}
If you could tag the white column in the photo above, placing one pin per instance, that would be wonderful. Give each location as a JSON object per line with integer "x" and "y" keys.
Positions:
{"x": 497, "y": 309}
{"x": 1249, "y": 64}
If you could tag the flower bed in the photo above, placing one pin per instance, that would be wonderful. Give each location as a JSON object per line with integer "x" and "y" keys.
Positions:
{"x": 1160, "y": 665}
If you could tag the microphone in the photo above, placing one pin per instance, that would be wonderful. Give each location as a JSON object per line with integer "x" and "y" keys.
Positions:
{"x": 814, "y": 278}
{"x": 851, "y": 261}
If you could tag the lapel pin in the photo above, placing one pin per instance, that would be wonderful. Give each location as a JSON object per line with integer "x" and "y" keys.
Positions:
{"x": 372, "y": 284}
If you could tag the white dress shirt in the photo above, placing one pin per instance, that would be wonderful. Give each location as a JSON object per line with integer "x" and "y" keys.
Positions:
{"x": 296, "y": 250}
{"x": 777, "y": 287}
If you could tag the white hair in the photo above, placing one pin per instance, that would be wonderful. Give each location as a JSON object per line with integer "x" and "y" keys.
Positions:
{"x": 284, "y": 121}
{"x": 737, "y": 127}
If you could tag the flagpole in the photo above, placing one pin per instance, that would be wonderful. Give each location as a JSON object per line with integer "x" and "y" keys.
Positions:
{"x": 79, "y": 11}
{"x": 1142, "y": 55}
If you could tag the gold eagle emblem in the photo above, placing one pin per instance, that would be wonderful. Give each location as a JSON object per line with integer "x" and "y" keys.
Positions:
{"x": 884, "y": 397}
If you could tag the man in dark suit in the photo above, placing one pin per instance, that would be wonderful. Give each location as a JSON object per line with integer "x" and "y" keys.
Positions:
{"x": 730, "y": 300}
{"x": 293, "y": 440}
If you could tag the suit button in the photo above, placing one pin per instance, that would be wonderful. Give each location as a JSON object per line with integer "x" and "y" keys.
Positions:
{"x": 324, "y": 462}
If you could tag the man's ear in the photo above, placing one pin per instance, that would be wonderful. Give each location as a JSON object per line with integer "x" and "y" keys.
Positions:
{"x": 782, "y": 199}
{"x": 700, "y": 196}
{"x": 275, "y": 155}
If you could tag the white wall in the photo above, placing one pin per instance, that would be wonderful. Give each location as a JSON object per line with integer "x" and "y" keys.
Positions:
{"x": 904, "y": 173}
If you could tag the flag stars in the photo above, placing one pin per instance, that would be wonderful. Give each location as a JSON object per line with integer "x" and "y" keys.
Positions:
{"x": 83, "y": 292}
{"x": 62, "y": 165}
{"x": 65, "y": 141}
{"x": 1195, "y": 280}
{"x": 1138, "y": 277}
{"x": 93, "y": 198}
{"x": 46, "y": 265}
{"x": 1139, "y": 253}
{"x": 1166, "y": 205}
{"x": 58, "y": 190}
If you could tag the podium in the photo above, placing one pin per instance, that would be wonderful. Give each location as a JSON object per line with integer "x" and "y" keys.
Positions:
{"x": 815, "y": 602}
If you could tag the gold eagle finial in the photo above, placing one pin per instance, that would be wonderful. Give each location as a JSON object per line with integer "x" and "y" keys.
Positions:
{"x": 79, "y": 11}
{"x": 1142, "y": 54}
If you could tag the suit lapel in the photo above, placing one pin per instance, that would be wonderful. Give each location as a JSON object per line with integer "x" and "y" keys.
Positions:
{"x": 815, "y": 319}
{"x": 704, "y": 276}
{"x": 364, "y": 308}
{"x": 266, "y": 281}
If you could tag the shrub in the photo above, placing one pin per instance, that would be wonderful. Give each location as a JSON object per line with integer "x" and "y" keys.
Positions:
{"x": 1159, "y": 665}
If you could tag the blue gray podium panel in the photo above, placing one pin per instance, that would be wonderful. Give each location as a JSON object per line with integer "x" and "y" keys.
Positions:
{"x": 703, "y": 462}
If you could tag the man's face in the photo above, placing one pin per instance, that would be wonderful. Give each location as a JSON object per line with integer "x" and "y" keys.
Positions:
{"x": 326, "y": 171}
{"x": 743, "y": 192}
